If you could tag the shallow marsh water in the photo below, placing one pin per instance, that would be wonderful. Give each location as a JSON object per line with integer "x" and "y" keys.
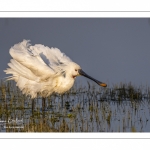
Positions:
{"x": 122, "y": 108}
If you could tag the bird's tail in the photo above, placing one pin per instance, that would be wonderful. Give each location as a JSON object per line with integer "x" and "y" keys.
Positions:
{"x": 24, "y": 79}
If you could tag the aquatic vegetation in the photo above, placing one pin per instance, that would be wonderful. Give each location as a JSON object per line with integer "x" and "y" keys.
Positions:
{"x": 121, "y": 108}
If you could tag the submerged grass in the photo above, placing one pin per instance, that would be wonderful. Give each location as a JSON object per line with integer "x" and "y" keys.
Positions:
{"x": 122, "y": 108}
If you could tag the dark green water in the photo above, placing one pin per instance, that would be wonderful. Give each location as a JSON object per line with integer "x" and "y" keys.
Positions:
{"x": 79, "y": 110}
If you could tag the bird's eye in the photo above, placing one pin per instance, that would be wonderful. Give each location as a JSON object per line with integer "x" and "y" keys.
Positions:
{"x": 75, "y": 69}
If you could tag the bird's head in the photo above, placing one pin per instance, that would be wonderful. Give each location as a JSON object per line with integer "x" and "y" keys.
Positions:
{"x": 75, "y": 70}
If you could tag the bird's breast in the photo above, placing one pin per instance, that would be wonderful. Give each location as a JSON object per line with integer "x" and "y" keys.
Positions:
{"x": 63, "y": 84}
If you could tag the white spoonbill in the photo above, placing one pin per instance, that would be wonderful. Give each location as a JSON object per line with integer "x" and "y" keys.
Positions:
{"x": 42, "y": 70}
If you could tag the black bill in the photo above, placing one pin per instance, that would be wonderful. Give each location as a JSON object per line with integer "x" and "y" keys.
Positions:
{"x": 82, "y": 73}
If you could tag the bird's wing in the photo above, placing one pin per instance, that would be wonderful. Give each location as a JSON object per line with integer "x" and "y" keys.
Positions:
{"x": 29, "y": 62}
{"x": 53, "y": 57}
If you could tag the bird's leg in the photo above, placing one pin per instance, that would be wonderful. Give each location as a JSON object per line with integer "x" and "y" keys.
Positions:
{"x": 43, "y": 103}
{"x": 43, "y": 108}
{"x": 62, "y": 100}
{"x": 33, "y": 106}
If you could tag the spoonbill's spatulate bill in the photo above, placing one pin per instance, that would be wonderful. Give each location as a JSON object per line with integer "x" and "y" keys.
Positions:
{"x": 42, "y": 70}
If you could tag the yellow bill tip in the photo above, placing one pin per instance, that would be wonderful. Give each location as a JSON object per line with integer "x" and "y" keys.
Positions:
{"x": 103, "y": 84}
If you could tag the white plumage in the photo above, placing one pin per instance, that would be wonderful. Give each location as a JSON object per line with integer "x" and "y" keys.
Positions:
{"x": 42, "y": 70}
